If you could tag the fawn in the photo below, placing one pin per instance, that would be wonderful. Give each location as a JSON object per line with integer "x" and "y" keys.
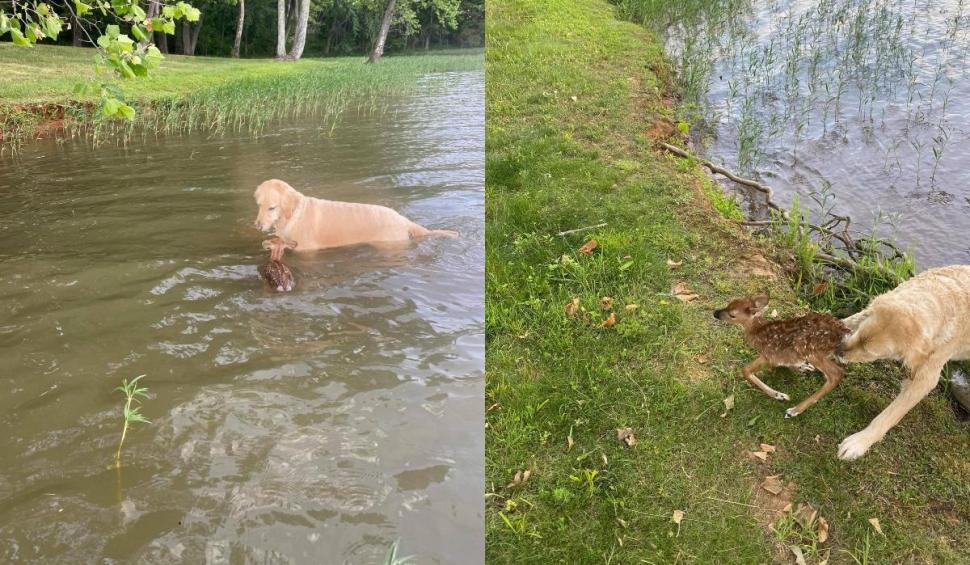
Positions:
{"x": 806, "y": 342}
{"x": 275, "y": 271}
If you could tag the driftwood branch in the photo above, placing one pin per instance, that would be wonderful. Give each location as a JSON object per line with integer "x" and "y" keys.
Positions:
{"x": 825, "y": 232}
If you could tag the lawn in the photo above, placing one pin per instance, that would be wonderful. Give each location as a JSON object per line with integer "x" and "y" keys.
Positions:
{"x": 575, "y": 102}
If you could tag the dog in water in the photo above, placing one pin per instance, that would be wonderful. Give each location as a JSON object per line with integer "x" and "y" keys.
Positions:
{"x": 318, "y": 223}
{"x": 924, "y": 322}
{"x": 275, "y": 271}
{"x": 805, "y": 342}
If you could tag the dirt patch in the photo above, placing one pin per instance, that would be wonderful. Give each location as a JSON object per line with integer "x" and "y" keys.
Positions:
{"x": 662, "y": 129}
{"x": 755, "y": 265}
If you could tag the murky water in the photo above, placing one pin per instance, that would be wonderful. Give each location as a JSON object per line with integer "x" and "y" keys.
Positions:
{"x": 311, "y": 427}
{"x": 862, "y": 103}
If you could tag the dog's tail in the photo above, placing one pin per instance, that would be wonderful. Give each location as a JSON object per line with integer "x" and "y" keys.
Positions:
{"x": 421, "y": 231}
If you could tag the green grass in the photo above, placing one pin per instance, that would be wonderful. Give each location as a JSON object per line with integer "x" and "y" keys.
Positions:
{"x": 571, "y": 93}
{"x": 203, "y": 92}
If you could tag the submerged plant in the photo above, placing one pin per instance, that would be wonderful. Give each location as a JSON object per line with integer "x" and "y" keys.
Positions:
{"x": 132, "y": 391}
{"x": 393, "y": 558}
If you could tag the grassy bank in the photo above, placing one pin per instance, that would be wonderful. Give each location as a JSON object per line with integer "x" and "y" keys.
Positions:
{"x": 575, "y": 101}
{"x": 188, "y": 92}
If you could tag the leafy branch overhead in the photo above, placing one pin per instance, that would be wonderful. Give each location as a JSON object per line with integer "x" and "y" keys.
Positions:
{"x": 127, "y": 56}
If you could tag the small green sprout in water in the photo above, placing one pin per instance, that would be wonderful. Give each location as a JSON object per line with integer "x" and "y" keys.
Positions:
{"x": 132, "y": 415}
{"x": 393, "y": 558}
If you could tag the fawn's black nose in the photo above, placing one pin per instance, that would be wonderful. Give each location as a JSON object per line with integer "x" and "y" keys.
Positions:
{"x": 717, "y": 314}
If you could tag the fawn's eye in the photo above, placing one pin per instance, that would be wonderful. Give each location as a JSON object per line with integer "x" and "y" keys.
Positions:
{"x": 271, "y": 208}
{"x": 730, "y": 314}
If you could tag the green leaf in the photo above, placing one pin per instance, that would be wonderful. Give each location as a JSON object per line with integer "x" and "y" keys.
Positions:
{"x": 81, "y": 8}
{"x": 168, "y": 27}
{"x": 110, "y": 108}
{"x": 626, "y": 265}
{"x": 113, "y": 31}
{"x": 138, "y": 33}
{"x": 168, "y": 11}
{"x": 18, "y": 37}
{"x": 191, "y": 14}
{"x": 137, "y": 12}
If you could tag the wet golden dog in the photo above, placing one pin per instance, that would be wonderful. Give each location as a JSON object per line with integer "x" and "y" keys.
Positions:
{"x": 317, "y": 223}
{"x": 924, "y": 323}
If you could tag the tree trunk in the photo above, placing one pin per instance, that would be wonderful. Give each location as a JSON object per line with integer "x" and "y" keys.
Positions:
{"x": 194, "y": 30}
{"x": 237, "y": 42}
{"x": 77, "y": 32}
{"x": 280, "y": 29}
{"x": 331, "y": 35}
{"x": 161, "y": 41}
{"x": 378, "y": 51}
{"x": 299, "y": 40}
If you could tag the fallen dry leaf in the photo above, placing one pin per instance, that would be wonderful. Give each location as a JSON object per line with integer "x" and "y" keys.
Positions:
{"x": 674, "y": 264}
{"x": 773, "y": 314}
{"x": 572, "y": 308}
{"x": 609, "y": 322}
{"x": 799, "y": 556}
{"x": 569, "y": 443}
{"x": 767, "y": 448}
{"x": 823, "y": 529}
{"x": 495, "y": 406}
{"x": 760, "y": 455}
{"x": 773, "y": 484}
{"x": 683, "y": 292}
{"x": 819, "y": 288}
{"x": 728, "y": 405}
{"x": 588, "y": 247}
{"x": 678, "y": 516}
{"x": 631, "y": 307}
{"x": 875, "y": 524}
{"x": 520, "y": 478}
{"x": 702, "y": 359}
{"x": 606, "y": 302}
{"x": 626, "y": 436}
{"x": 805, "y": 515}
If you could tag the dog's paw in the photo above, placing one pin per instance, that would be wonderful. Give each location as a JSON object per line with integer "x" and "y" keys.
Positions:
{"x": 781, "y": 396}
{"x": 854, "y": 446}
{"x": 791, "y": 412}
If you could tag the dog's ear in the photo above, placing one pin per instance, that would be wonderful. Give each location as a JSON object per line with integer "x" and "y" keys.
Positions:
{"x": 760, "y": 301}
{"x": 289, "y": 200}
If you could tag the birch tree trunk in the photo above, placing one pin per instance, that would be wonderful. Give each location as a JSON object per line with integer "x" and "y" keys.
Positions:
{"x": 280, "y": 29}
{"x": 299, "y": 40}
{"x": 378, "y": 51}
{"x": 237, "y": 42}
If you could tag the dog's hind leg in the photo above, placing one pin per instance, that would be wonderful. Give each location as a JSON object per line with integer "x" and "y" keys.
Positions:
{"x": 924, "y": 380}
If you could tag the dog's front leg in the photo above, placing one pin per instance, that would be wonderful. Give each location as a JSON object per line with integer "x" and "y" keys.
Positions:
{"x": 924, "y": 380}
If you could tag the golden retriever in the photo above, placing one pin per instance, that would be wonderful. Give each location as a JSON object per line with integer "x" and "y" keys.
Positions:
{"x": 317, "y": 224}
{"x": 924, "y": 322}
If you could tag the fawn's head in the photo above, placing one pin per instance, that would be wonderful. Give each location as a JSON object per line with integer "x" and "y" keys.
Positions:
{"x": 277, "y": 246}
{"x": 742, "y": 310}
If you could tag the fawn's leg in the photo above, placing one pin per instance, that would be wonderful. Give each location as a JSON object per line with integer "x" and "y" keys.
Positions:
{"x": 833, "y": 376}
{"x": 750, "y": 371}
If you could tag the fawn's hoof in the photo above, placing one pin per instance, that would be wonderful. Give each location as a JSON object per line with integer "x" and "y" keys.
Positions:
{"x": 791, "y": 412}
{"x": 781, "y": 396}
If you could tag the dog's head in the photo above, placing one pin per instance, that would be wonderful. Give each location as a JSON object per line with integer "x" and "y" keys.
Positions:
{"x": 741, "y": 310}
{"x": 277, "y": 201}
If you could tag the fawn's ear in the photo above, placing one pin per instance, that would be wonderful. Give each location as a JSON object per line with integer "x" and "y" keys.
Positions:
{"x": 267, "y": 243}
{"x": 760, "y": 301}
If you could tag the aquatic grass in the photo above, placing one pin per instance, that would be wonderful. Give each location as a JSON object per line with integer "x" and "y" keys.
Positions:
{"x": 245, "y": 96}
{"x": 132, "y": 414}
{"x": 392, "y": 557}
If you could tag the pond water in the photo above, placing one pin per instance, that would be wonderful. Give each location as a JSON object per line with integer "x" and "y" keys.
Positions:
{"x": 308, "y": 427}
{"x": 857, "y": 106}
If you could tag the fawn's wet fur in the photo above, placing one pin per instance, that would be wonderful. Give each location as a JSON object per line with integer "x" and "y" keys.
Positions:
{"x": 809, "y": 341}
{"x": 275, "y": 271}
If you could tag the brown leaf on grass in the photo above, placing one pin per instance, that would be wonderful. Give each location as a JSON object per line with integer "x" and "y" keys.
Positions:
{"x": 799, "y": 556}
{"x": 805, "y": 515}
{"x": 759, "y": 455}
{"x": 520, "y": 478}
{"x": 875, "y": 524}
{"x": 677, "y": 517}
{"x": 674, "y": 264}
{"x": 572, "y": 307}
{"x": 626, "y": 436}
{"x": 631, "y": 307}
{"x": 606, "y": 302}
{"x": 823, "y": 529}
{"x": 588, "y": 247}
{"x": 773, "y": 314}
{"x": 682, "y": 292}
{"x": 773, "y": 484}
{"x": 569, "y": 443}
{"x": 702, "y": 359}
{"x": 819, "y": 288}
{"x": 609, "y": 322}
{"x": 768, "y": 448}
{"x": 728, "y": 405}
{"x": 495, "y": 406}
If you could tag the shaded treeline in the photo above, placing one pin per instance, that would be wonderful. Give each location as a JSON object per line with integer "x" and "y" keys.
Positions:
{"x": 249, "y": 28}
